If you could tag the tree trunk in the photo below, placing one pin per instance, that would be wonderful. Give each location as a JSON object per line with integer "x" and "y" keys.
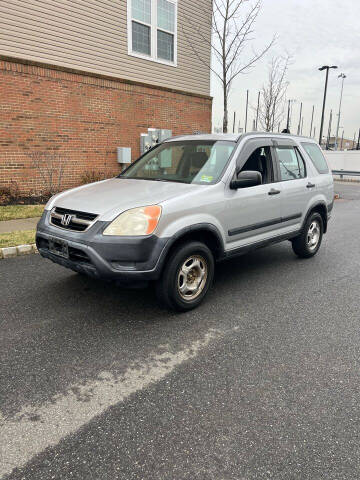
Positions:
{"x": 225, "y": 119}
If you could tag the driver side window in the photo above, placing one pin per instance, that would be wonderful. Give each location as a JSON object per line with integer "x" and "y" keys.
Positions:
{"x": 261, "y": 161}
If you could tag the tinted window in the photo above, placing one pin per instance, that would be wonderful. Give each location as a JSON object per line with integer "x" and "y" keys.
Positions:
{"x": 316, "y": 156}
{"x": 200, "y": 162}
{"x": 292, "y": 166}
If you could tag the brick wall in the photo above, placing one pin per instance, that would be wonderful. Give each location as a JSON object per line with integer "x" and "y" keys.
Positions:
{"x": 81, "y": 119}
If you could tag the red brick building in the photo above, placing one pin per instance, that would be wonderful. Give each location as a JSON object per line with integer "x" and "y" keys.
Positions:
{"x": 79, "y": 79}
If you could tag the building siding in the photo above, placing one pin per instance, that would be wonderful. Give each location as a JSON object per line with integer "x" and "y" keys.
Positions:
{"x": 81, "y": 119}
{"x": 91, "y": 35}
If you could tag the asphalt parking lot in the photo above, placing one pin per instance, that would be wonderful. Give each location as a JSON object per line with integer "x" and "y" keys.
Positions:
{"x": 261, "y": 382}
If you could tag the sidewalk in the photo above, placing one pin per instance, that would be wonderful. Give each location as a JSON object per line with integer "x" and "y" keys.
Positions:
{"x": 18, "y": 225}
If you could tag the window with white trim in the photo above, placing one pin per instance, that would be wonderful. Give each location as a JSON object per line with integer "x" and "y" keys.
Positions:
{"x": 152, "y": 30}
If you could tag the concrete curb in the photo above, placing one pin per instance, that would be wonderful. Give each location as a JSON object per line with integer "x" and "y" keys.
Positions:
{"x": 10, "y": 252}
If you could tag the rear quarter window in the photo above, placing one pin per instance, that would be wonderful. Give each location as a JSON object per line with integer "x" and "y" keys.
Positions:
{"x": 317, "y": 157}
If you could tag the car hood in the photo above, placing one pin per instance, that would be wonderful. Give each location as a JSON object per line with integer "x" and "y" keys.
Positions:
{"x": 108, "y": 198}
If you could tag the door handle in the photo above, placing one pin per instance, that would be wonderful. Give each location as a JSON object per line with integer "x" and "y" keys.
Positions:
{"x": 273, "y": 192}
{"x": 310, "y": 185}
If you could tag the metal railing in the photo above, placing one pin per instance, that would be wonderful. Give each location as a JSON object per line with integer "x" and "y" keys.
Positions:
{"x": 351, "y": 173}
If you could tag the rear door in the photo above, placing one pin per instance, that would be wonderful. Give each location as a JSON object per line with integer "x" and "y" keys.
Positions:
{"x": 296, "y": 187}
{"x": 253, "y": 214}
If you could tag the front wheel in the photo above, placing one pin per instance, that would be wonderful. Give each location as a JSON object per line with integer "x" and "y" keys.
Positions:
{"x": 308, "y": 242}
{"x": 187, "y": 277}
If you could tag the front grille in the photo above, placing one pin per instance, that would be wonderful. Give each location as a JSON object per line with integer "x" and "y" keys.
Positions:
{"x": 71, "y": 219}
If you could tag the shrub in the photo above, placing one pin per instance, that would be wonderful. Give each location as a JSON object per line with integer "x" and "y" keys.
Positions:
{"x": 9, "y": 194}
{"x": 92, "y": 176}
{"x": 50, "y": 167}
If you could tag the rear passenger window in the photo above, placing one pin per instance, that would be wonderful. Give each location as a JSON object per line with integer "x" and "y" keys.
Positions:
{"x": 316, "y": 156}
{"x": 292, "y": 166}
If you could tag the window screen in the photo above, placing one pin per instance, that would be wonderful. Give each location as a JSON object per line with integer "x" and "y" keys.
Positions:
{"x": 141, "y": 10}
{"x": 165, "y": 46}
{"x": 166, "y": 15}
{"x": 141, "y": 38}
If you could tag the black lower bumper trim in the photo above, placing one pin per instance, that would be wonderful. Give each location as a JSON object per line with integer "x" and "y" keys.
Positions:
{"x": 73, "y": 265}
{"x": 127, "y": 260}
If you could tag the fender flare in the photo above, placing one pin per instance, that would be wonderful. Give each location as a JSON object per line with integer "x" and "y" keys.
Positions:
{"x": 313, "y": 207}
{"x": 188, "y": 230}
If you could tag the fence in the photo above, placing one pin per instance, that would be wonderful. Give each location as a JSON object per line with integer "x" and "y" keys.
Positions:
{"x": 344, "y": 163}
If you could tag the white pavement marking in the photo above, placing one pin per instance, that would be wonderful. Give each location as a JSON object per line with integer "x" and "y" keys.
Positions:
{"x": 34, "y": 429}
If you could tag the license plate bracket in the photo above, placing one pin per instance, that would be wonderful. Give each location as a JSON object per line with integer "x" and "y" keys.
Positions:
{"x": 59, "y": 247}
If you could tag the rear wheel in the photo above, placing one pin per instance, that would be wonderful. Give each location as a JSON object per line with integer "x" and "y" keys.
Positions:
{"x": 187, "y": 277}
{"x": 308, "y": 242}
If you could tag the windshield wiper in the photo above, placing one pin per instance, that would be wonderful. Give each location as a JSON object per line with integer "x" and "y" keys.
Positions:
{"x": 167, "y": 180}
{"x": 153, "y": 179}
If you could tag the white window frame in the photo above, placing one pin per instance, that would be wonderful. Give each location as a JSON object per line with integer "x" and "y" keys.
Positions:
{"x": 153, "y": 34}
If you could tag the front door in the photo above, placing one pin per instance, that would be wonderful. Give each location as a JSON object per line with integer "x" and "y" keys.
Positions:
{"x": 253, "y": 214}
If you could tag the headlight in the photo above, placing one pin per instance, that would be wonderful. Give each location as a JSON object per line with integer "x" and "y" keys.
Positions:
{"x": 137, "y": 221}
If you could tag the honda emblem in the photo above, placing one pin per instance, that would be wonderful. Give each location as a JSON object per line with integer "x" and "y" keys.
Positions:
{"x": 66, "y": 219}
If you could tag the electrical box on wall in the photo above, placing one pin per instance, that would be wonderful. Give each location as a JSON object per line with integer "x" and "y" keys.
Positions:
{"x": 164, "y": 134}
{"x": 124, "y": 155}
{"x": 153, "y": 137}
{"x": 145, "y": 142}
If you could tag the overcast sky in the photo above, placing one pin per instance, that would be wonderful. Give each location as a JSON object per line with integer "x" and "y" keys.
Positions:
{"x": 315, "y": 33}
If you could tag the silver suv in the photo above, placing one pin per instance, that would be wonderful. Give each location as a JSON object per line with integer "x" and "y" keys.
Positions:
{"x": 188, "y": 203}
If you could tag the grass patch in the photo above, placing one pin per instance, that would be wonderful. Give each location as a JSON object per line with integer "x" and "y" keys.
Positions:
{"x": 14, "y": 212}
{"x": 17, "y": 238}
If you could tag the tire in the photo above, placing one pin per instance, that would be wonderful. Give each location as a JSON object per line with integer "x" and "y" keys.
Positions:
{"x": 307, "y": 244}
{"x": 187, "y": 277}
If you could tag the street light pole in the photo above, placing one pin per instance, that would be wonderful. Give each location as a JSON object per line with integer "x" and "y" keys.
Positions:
{"x": 246, "y": 113}
{"x": 327, "y": 68}
{"x": 257, "y": 112}
{"x": 342, "y": 76}
{"x": 288, "y": 117}
{"x": 312, "y": 119}
{"x": 288, "y": 123}
{"x": 329, "y": 132}
{"x": 299, "y": 126}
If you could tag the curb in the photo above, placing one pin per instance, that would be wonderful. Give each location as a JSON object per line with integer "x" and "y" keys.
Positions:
{"x": 20, "y": 250}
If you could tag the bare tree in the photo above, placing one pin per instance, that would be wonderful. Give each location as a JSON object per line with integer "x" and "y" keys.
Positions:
{"x": 273, "y": 94}
{"x": 50, "y": 168}
{"x": 232, "y": 32}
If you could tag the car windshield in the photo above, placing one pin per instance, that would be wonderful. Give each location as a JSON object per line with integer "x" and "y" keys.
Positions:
{"x": 199, "y": 162}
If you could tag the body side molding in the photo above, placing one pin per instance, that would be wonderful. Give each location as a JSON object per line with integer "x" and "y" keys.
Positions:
{"x": 268, "y": 223}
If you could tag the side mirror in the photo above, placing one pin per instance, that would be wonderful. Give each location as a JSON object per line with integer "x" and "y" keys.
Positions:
{"x": 247, "y": 178}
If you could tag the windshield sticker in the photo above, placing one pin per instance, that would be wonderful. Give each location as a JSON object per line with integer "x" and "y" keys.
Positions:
{"x": 206, "y": 178}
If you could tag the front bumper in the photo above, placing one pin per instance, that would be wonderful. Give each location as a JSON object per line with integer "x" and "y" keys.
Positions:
{"x": 127, "y": 260}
